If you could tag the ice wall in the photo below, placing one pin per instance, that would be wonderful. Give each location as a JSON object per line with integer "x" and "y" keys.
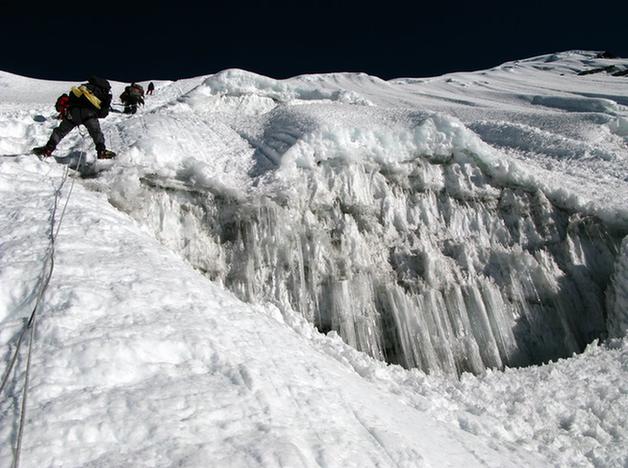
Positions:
{"x": 618, "y": 295}
{"x": 402, "y": 232}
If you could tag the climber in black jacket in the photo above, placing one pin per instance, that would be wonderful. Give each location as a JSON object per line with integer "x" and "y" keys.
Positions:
{"x": 132, "y": 96}
{"x": 85, "y": 105}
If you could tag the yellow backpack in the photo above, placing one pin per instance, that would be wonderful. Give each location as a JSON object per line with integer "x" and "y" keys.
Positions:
{"x": 83, "y": 91}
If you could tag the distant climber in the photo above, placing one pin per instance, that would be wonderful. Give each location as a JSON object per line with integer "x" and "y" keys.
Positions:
{"x": 83, "y": 105}
{"x": 151, "y": 88}
{"x": 132, "y": 96}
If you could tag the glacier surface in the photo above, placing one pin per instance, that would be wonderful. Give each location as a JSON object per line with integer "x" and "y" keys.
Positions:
{"x": 453, "y": 225}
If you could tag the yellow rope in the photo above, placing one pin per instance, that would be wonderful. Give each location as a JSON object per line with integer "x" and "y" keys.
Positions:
{"x": 83, "y": 91}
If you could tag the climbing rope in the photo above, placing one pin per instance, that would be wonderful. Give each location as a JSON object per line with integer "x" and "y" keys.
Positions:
{"x": 18, "y": 448}
{"x": 30, "y": 324}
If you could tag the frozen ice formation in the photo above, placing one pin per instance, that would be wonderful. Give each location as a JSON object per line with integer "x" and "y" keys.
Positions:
{"x": 402, "y": 231}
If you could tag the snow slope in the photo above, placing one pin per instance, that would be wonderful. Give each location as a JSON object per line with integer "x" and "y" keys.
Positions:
{"x": 142, "y": 357}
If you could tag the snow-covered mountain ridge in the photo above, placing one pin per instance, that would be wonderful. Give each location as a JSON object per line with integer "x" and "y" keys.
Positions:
{"x": 457, "y": 223}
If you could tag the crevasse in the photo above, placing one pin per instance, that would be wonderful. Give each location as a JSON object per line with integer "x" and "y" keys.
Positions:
{"x": 409, "y": 237}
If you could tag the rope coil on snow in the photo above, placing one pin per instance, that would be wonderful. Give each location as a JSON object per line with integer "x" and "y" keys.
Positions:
{"x": 30, "y": 324}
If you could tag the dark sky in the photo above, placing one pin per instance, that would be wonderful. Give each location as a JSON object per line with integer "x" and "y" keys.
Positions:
{"x": 133, "y": 42}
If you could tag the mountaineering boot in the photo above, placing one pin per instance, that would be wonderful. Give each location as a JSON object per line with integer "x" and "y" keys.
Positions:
{"x": 106, "y": 154}
{"x": 43, "y": 150}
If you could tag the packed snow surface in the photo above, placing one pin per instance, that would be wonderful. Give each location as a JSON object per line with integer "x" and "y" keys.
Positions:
{"x": 233, "y": 288}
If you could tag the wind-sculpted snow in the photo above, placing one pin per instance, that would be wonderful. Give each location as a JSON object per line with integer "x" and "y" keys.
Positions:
{"x": 242, "y": 83}
{"x": 532, "y": 139}
{"x": 577, "y": 104}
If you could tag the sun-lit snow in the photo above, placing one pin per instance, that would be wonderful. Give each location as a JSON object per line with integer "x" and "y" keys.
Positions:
{"x": 211, "y": 286}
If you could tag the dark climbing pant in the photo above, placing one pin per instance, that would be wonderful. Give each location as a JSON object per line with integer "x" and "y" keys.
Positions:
{"x": 91, "y": 124}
